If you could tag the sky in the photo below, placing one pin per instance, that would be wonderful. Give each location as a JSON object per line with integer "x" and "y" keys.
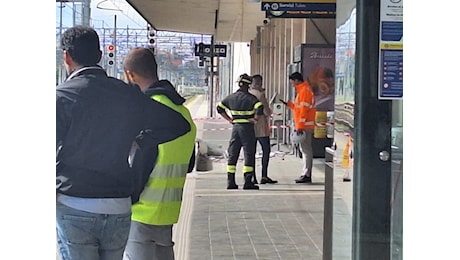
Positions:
{"x": 102, "y": 14}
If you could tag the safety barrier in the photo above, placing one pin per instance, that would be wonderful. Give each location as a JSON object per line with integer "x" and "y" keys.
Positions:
{"x": 229, "y": 128}
{"x": 277, "y": 126}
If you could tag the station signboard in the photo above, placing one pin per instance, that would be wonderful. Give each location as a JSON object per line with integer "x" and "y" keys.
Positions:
{"x": 301, "y": 14}
{"x": 201, "y": 49}
{"x": 312, "y": 6}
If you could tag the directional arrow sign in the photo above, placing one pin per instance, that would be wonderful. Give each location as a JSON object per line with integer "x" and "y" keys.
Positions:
{"x": 267, "y": 6}
{"x": 297, "y": 6}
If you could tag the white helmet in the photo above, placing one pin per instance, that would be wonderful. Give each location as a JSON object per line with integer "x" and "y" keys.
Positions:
{"x": 297, "y": 138}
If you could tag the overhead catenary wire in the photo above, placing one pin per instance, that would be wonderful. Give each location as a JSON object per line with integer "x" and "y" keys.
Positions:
{"x": 71, "y": 11}
{"x": 127, "y": 15}
{"x": 241, "y": 57}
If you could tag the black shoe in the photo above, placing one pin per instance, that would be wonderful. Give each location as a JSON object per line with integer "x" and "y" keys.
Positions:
{"x": 231, "y": 184}
{"x": 303, "y": 179}
{"x": 254, "y": 179}
{"x": 267, "y": 180}
{"x": 250, "y": 186}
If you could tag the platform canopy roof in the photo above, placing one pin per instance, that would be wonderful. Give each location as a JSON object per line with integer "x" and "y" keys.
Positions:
{"x": 227, "y": 20}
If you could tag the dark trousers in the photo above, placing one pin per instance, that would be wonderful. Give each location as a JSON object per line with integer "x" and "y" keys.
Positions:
{"x": 265, "y": 143}
{"x": 242, "y": 136}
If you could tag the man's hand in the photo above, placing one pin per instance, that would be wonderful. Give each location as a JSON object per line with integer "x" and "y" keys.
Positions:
{"x": 226, "y": 117}
{"x": 299, "y": 132}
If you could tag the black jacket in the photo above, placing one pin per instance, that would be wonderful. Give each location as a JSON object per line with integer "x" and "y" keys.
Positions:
{"x": 240, "y": 101}
{"x": 146, "y": 152}
{"x": 97, "y": 120}
{"x": 164, "y": 87}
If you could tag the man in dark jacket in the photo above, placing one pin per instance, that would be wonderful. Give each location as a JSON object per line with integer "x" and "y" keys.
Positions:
{"x": 158, "y": 208}
{"x": 97, "y": 120}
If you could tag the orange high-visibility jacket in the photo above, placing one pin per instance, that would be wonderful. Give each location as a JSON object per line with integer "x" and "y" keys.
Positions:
{"x": 303, "y": 107}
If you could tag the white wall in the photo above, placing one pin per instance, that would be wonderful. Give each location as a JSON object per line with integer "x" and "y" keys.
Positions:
{"x": 241, "y": 61}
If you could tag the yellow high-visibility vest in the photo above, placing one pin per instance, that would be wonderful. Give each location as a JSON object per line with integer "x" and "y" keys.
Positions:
{"x": 160, "y": 201}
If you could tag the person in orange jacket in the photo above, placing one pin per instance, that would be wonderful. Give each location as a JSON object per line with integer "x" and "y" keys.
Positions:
{"x": 304, "y": 122}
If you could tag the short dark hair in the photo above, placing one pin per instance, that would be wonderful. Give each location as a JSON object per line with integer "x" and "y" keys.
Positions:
{"x": 142, "y": 62}
{"x": 257, "y": 76}
{"x": 82, "y": 44}
{"x": 296, "y": 76}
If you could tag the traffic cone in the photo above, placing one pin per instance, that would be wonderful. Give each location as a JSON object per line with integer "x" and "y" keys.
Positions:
{"x": 349, "y": 169}
{"x": 346, "y": 155}
{"x": 347, "y": 161}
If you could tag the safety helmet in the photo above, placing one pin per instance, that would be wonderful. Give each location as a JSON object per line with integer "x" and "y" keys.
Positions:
{"x": 297, "y": 138}
{"x": 244, "y": 79}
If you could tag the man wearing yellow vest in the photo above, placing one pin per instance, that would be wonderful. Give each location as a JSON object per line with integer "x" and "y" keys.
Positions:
{"x": 158, "y": 207}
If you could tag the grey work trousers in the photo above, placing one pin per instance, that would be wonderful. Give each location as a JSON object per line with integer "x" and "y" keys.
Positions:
{"x": 149, "y": 242}
{"x": 307, "y": 152}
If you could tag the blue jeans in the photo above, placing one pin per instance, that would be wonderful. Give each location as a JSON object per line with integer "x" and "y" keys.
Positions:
{"x": 265, "y": 144}
{"x": 83, "y": 235}
{"x": 149, "y": 242}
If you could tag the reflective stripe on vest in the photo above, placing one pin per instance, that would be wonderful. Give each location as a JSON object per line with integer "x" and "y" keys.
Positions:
{"x": 241, "y": 121}
{"x": 242, "y": 116}
{"x": 221, "y": 105}
{"x": 161, "y": 199}
{"x": 242, "y": 113}
{"x": 305, "y": 104}
{"x": 161, "y": 187}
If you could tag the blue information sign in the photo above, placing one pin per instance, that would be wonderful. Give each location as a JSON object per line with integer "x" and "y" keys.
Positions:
{"x": 391, "y": 74}
{"x": 281, "y": 6}
{"x": 391, "y": 50}
{"x": 392, "y": 31}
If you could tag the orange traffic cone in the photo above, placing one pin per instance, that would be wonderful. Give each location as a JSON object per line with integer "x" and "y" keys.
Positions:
{"x": 347, "y": 161}
{"x": 346, "y": 155}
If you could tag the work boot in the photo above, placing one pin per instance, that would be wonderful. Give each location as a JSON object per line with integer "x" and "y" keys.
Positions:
{"x": 231, "y": 184}
{"x": 303, "y": 179}
{"x": 248, "y": 185}
{"x": 254, "y": 179}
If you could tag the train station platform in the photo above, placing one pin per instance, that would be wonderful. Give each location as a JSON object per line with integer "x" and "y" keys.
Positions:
{"x": 279, "y": 221}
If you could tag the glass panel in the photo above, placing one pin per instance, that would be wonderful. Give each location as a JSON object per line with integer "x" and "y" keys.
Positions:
{"x": 397, "y": 181}
{"x": 343, "y": 133}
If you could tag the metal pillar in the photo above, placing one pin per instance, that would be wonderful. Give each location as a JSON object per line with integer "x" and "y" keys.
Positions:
{"x": 328, "y": 204}
{"x": 86, "y": 12}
